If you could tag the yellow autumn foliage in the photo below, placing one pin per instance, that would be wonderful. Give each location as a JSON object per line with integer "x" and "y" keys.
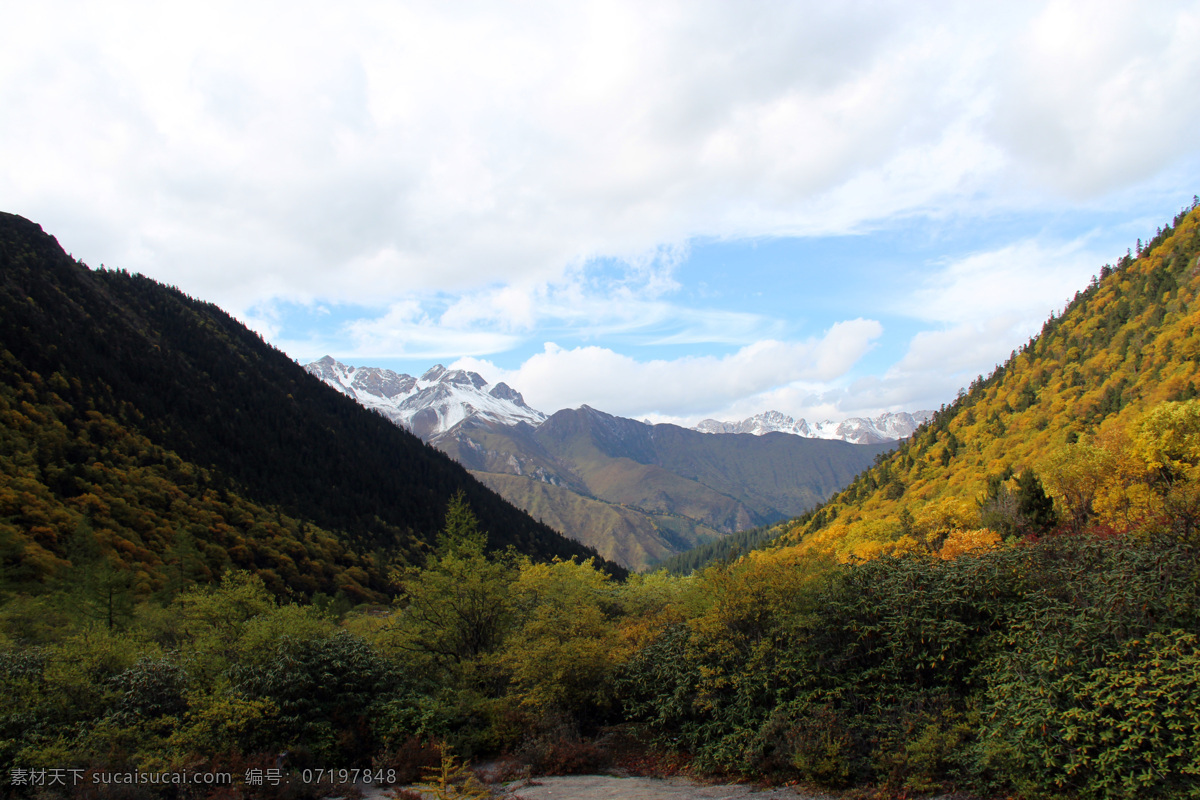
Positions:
{"x": 1100, "y": 406}
{"x": 961, "y": 542}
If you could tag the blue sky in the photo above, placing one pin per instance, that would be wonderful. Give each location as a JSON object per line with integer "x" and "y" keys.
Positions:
{"x": 670, "y": 210}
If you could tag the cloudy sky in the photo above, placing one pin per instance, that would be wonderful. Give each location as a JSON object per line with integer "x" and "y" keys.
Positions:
{"x": 669, "y": 210}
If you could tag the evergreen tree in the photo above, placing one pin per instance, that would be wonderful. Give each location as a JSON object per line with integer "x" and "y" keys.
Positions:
{"x": 457, "y": 607}
{"x": 1023, "y": 510}
{"x": 461, "y": 532}
{"x": 1035, "y": 508}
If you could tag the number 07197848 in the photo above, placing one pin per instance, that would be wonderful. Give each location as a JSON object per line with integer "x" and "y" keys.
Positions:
{"x": 384, "y": 776}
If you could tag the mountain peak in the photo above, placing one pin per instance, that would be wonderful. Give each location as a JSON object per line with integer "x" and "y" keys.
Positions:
{"x": 431, "y": 405}
{"x": 433, "y": 373}
{"x": 460, "y": 377}
{"x": 502, "y": 391}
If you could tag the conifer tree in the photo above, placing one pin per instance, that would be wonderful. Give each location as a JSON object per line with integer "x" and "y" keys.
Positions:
{"x": 1035, "y": 508}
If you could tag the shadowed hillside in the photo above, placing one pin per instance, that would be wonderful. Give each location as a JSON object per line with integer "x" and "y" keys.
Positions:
{"x": 141, "y": 421}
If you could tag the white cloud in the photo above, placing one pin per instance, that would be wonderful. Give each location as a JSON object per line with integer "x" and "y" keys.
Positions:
{"x": 362, "y": 152}
{"x": 618, "y": 384}
{"x": 406, "y": 330}
{"x": 985, "y": 305}
{"x": 508, "y": 307}
{"x": 954, "y": 351}
{"x": 495, "y": 319}
{"x": 1025, "y": 280}
{"x": 940, "y": 362}
{"x": 466, "y": 167}
{"x": 1096, "y": 96}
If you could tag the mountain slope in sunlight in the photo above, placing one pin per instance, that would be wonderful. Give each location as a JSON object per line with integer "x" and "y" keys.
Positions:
{"x": 638, "y": 492}
{"x": 1126, "y": 343}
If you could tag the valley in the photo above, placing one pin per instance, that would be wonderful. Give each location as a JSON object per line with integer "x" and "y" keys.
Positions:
{"x": 635, "y": 492}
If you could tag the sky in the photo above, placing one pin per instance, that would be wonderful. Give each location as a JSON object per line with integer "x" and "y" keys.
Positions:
{"x": 664, "y": 210}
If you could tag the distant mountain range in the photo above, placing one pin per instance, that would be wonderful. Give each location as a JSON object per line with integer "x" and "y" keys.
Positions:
{"x": 634, "y": 491}
{"x": 887, "y": 427}
{"x": 440, "y": 399}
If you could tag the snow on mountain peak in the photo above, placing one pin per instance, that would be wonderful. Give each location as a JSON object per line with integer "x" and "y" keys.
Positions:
{"x": 887, "y": 427}
{"x": 442, "y": 398}
{"x": 429, "y": 405}
{"x": 433, "y": 373}
{"x": 502, "y": 391}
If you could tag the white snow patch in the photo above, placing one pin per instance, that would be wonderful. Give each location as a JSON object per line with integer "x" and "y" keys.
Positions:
{"x": 452, "y": 395}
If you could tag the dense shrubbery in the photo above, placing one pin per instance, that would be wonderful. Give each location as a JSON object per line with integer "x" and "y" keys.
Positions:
{"x": 483, "y": 653}
{"x": 1063, "y": 665}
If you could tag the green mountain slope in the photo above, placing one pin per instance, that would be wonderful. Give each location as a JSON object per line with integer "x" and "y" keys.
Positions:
{"x": 662, "y": 488}
{"x": 1075, "y": 398}
{"x": 138, "y": 420}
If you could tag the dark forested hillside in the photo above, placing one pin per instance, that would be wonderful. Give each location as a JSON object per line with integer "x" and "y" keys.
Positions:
{"x": 105, "y": 371}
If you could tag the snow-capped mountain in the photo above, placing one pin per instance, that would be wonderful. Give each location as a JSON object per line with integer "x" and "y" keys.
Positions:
{"x": 887, "y": 427}
{"x": 431, "y": 404}
{"x": 441, "y": 399}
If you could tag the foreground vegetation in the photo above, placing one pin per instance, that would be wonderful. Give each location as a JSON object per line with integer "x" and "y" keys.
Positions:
{"x": 1064, "y": 663}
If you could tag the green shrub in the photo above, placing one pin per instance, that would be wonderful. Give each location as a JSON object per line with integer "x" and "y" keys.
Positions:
{"x": 1095, "y": 690}
{"x": 326, "y": 691}
{"x": 1126, "y": 728}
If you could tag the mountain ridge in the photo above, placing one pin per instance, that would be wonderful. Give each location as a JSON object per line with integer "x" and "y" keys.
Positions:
{"x": 887, "y": 427}
{"x": 439, "y": 399}
{"x": 684, "y": 487}
{"x": 663, "y": 488}
{"x": 431, "y": 404}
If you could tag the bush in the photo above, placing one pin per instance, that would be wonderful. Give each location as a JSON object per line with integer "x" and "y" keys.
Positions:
{"x": 1095, "y": 690}
{"x": 1125, "y": 728}
{"x": 151, "y": 688}
{"x": 411, "y": 759}
{"x": 560, "y": 750}
{"x": 325, "y": 690}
